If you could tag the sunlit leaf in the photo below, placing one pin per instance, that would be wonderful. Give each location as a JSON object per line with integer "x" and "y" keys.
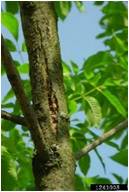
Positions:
{"x": 72, "y": 106}
{"x": 24, "y": 49}
{"x": 13, "y": 169}
{"x": 80, "y": 6}
{"x": 66, "y": 69}
{"x": 11, "y": 23}
{"x": 24, "y": 68}
{"x": 62, "y": 8}
{"x": 4, "y": 150}
{"x": 95, "y": 109}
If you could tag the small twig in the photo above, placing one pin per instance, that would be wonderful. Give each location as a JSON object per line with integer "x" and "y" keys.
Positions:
{"x": 101, "y": 139}
{"x": 16, "y": 83}
{"x": 14, "y": 118}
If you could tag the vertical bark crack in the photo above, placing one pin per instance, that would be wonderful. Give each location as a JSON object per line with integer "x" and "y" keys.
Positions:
{"x": 52, "y": 100}
{"x": 54, "y": 168}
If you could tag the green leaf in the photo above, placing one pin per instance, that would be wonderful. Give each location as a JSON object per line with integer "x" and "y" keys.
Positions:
{"x": 124, "y": 143}
{"x": 8, "y": 96}
{"x": 118, "y": 178}
{"x": 74, "y": 67}
{"x": 66, "y": 69}
{"x": 24, "y": 48}
{"x": 84, "y": 164}
{"x": 24, "y": 68}
{"x": 8, "y": 105}
{"x": 65, "y": 7}
{"x": 62, "y": 8}
{"x": 120, "y": 45}
{"x": 79, "y": 186}
{"x": 112, "y": 144}
{"x": 121, "y": 157}
{"x": 13, "y": 169}
{"x": 72, "y": 106}
{"x": 101, "y": 160}
{"x": 115, "y": 102}
{"x": 78, "y": 140}
{"x": 27, "y": 88}
{"x": 7, "y": 125}
{"x": 16, "y": 63}
{"x": 95, "y": 109}
{"x": 97, "y": 61}
{"x": 80, "y": 6}
{"x": 11, "y": 23}
{"x": 10, "y": 45}
{"x": 117, "y": 44}
{"x": 98, "y": 2}
{"x": 2, "y": 69}
{"x": 114, "y": 8}
{"x": 12, "y": 6}
{"x": 17, "y": 108}
{"x": 88, "y": 181}
{"x": 102, "y": 180}
{"x": 8, "y": 181}
{"x": 4, "y": 151}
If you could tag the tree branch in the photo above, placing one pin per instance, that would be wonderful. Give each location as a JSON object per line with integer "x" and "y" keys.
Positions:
{"x": 101, "y": 139}
{"x": 16, "y": 83}
{"x": 14, "y": 118}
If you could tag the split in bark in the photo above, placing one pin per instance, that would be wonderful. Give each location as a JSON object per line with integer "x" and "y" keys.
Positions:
{"x": 56, "y": 171}
{"x": 87, "y": 148}
{"x": 53, "y": 164}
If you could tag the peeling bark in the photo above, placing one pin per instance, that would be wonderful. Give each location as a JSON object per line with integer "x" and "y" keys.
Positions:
{"x": 53, "y": 169}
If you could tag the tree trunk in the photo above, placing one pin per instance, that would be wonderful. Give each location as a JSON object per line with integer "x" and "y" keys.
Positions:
{"x": 53, "y": 168}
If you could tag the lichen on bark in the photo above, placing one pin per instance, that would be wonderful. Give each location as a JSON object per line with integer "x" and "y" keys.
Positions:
{"x": 54, "y": 169}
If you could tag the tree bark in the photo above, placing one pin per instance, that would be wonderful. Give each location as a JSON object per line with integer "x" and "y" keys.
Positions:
{"x": 54, "y": 168}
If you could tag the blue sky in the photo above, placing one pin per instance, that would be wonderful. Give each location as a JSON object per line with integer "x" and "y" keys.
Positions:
{"x": 77, "y": 34}
{"x": 77, "y": 39}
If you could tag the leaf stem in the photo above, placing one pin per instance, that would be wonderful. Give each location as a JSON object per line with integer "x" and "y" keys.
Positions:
{"x": 84, "y": 95}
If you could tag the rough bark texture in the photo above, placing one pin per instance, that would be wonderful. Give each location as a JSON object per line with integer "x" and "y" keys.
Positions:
{"x": 53, "y": 169}
{"x": 27, "y": 109}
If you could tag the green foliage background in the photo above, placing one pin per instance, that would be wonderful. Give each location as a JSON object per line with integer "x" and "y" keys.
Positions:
{"x": 99, "y": 89}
